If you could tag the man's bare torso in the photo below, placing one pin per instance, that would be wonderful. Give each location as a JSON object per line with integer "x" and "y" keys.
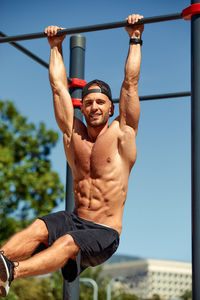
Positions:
{"x": 100, "y": 172}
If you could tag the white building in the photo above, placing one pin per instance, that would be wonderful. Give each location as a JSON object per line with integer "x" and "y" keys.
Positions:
{"x": 148, "y": 277}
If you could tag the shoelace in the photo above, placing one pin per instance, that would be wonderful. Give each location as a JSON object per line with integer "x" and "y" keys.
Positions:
{"x": 16, "y": 262}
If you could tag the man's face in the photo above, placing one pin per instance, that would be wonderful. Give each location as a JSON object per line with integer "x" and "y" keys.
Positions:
{"x": 96, "y": 108}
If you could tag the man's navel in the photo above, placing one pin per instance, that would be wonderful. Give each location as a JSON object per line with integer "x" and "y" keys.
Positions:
{"x": 108, "y": 160}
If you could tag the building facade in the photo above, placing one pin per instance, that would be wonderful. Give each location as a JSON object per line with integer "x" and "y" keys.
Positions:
{"x": 145, "y": 278}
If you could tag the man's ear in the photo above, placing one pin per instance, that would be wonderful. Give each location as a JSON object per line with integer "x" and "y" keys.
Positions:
{"x": 112, "y": 108}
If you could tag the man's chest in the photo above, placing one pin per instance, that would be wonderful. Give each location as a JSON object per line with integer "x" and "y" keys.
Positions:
{"x": 94, "y": 158}
{"x": 111, "y": 151}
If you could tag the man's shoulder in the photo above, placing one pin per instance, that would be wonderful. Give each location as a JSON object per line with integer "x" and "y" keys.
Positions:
{"x": 115, "y": 123}
{"x": 117, "y": 129}
{"x": 123, "y": 129}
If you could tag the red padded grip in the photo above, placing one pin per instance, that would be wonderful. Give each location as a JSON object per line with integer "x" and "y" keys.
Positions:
{"x": 190, "y": 11}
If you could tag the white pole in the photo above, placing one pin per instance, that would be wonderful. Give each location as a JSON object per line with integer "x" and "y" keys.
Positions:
{"x": 94, "y": 284}
{"x": 109, "y": 286}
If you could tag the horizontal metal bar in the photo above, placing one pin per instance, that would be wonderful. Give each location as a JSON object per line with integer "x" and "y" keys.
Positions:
{"x": 142, "y": 98}
{"x": 104, "y": 26}
{"x": 27, "y": 52}
{"x": 160, "y": 96}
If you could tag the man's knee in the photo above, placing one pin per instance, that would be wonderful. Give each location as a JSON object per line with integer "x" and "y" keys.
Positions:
{"x": 70, "y": 245}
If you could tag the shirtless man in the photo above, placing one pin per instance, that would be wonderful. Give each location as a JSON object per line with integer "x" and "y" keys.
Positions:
{"x": 101, "y": 158}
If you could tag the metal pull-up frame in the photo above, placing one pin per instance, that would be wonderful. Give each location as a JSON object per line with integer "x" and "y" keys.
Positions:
{"x": 77, "y": 47}
{"x": 91, "y": 28}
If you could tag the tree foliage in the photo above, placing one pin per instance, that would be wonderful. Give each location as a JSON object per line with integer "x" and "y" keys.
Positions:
{"x": 51, "y": 288}
{"x": 187, "y": 295}
{"x": 86, "y": 291}
{"x": 37, "y": 288}
{"x": 28, "y": 186}
{"x": 156, "y": 297}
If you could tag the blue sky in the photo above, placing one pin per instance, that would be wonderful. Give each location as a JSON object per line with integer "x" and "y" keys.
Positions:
{"x": 157, "y": 216}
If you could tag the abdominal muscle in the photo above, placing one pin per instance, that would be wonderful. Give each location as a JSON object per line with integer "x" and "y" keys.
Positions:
{"x": 101, "y": 201}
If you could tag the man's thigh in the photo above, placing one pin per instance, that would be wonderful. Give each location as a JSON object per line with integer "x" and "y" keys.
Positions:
{"x": 38, "y": 231}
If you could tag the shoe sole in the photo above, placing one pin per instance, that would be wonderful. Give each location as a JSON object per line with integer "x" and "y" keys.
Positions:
{"x": 4, "y": 276}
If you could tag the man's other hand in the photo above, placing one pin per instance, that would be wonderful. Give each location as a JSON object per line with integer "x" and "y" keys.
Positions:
{"x": 54, "y": 40}
{"x": 134, "y": 31}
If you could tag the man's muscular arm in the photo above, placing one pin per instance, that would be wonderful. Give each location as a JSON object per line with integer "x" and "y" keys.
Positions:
{"x": 64, "y": 111}
{"x": 129, "y": 102}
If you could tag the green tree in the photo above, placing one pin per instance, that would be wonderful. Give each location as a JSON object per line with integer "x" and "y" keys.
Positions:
{"x": 187, "y": 295}
{"x": 124, "y": 296}
{"x": 37, "y": 288}
{"x": 51, "y": 287}
{"x": 28, "y": 186}
{"x": 86, "y": 291}
{"x": 156, "y": 297}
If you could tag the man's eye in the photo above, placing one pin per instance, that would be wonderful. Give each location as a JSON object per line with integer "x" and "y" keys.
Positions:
{"x": 88, "y": 103}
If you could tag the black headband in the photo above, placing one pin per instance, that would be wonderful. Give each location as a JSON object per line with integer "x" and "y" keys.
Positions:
{"x": 103, "y": 88}
{"x": 100, "y": 90}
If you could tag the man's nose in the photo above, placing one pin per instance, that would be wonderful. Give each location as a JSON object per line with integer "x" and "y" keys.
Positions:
{"x": 94, "y": 105}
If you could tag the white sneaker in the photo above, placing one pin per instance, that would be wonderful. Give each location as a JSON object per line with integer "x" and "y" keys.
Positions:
{"x": 6, "y": 274}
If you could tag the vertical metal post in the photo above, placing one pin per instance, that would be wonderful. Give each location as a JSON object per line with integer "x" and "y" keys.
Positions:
{"x": 77, "y": 67}
{"x": 195, "y": 135}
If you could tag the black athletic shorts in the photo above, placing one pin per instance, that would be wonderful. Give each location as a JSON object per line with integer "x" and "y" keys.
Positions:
{"x": 97, "y": 242}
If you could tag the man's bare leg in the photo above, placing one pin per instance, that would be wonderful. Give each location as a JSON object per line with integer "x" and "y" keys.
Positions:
{"x": 22, "y": 244}
{"x": 48, "y": 260}
{"x": 44, "y": 262}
